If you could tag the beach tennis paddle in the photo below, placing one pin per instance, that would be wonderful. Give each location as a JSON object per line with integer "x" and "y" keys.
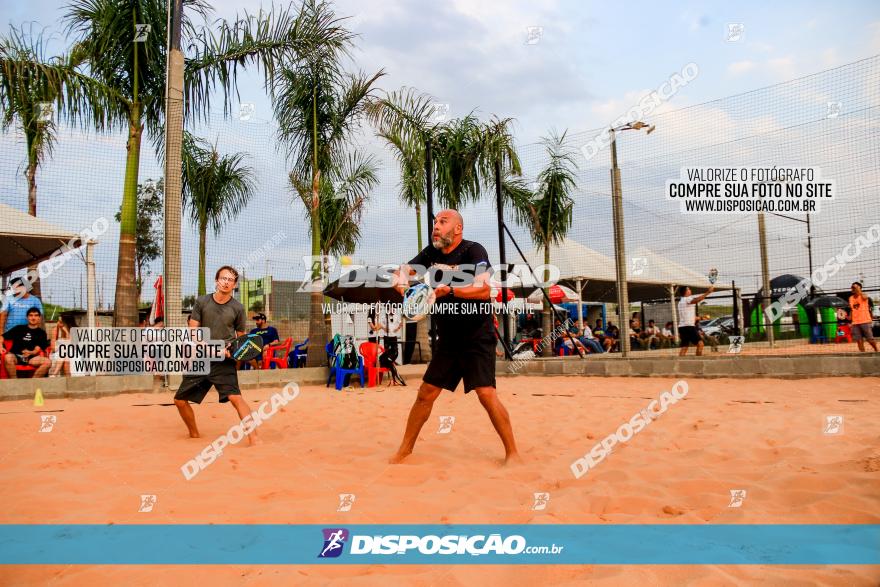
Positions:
{"x": 417, "y": 302}
{"x": 246, "y": 347}
{"x": 713, "y": 275}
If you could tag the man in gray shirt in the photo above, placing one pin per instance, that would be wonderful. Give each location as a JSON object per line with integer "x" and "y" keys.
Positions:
{"x": 225, "y": 317}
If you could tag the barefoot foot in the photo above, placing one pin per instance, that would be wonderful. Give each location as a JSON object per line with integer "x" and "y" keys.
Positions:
{"x": 513, "y": 459}
{"x": 398, "y": 458}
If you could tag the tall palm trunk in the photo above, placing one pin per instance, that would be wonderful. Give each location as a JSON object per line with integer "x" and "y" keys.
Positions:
{"x": 547, "y": 323}
{"x": 31, "y": 174}
{"x": 317, "y": 331}
{"x": 203, "y": 237}
{"x": 126, "y": 299}
{"x": 419, "y": 223}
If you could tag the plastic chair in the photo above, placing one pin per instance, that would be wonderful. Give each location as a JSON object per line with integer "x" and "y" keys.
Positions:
{"x": 817, "y": 335}
{"x": 297, "y": 357}
{"x": 271, "y": 358}
{"x": 844, "y": 333}
{"x": 338, "y": 373}
{"x": 368, "y": 352}
{"x": 19, "y": 369}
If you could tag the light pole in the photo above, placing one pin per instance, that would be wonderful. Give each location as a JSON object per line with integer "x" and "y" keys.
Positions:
{"x": 809, "y": 247}
{"x": 766, "y": 294}
{"x": 619, "y": 244}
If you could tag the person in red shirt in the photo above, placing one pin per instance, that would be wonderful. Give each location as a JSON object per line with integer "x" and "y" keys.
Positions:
{"x": 862, "y": 321}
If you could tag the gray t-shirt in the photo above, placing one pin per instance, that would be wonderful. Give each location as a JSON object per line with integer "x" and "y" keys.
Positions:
{"x": 224, "y": 320}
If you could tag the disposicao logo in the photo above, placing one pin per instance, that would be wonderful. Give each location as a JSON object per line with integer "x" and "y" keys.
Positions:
{"x": 334, "y": 540}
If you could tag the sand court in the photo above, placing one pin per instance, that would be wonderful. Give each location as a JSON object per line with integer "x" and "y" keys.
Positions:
{"x": 768, "y": 438}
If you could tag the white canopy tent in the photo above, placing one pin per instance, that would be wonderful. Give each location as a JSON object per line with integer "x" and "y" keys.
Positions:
{"x": 26, "y": 240}
{"x": 650, "y": 276}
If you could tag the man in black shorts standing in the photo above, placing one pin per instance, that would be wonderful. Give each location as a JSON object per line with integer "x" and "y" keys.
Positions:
{"x": 466, "y": 345}
{"x": 224, "y": 316}
{"x": 687, "y": 319}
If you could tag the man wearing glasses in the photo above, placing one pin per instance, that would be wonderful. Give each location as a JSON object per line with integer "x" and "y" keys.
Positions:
{"x": 225, "y": 317}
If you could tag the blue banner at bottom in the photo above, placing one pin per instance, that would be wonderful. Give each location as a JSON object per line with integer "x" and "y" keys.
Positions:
{"x": 776, "y": 544}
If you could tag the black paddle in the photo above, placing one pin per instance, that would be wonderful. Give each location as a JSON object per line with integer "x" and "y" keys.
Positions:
{"x": 246, "y": 347}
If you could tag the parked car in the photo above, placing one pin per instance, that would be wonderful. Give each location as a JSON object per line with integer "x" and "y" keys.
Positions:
{"x": 718, "y": 326}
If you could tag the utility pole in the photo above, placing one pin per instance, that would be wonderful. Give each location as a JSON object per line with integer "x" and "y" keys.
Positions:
{"x": 765, "y": 279}
{"x": 619, "y": 249}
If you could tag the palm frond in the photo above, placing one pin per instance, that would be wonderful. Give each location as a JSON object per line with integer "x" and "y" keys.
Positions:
{"x": 266, "y": 40}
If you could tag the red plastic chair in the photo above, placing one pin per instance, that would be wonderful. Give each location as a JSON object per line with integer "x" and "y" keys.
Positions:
{"x": 844, "y": 333}
{"x": 271, "y": 356}
{"x": 368, "y": 352}
{"x": 19, "y": 369}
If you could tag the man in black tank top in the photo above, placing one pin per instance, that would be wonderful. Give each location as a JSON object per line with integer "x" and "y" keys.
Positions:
{"x": 466, "y": 337}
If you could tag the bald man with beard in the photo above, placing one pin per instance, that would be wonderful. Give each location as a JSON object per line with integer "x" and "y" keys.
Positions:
{"x": 466, "y": 336}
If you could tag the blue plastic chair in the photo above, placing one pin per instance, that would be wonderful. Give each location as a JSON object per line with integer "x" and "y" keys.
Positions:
{"x": 331, "y": 362}
{"x": 817, "y": 335}
{"x": 338, "y": 373}
{"x": 297, "y": 357}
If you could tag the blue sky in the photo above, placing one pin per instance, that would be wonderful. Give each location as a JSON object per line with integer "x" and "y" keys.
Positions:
{"x": 591, "y": 64}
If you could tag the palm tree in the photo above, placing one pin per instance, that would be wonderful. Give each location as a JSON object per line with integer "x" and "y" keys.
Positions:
{"x": 403, "y": 119}
{"x": 343, "y": 200}
{"x": 132, "y": 77}
{"x": 317, "y": 107}
{"x": 465, "y": 153}
{"x": 215, "y": 189}
{"x": 548, "y": 212}
{"x": 30, "y": 82}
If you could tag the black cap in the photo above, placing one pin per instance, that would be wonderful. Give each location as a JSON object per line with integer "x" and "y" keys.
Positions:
{"x": 259, "y": 316}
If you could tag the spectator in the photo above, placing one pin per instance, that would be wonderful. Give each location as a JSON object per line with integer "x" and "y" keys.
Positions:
{"x": 375, "y": 326}
{"x": 28, "y": 342}
{"x": 587, "y": 339}
{"x": 18, "y": 303}
{"x": 532, "y": 326}
{"x": 566, "y": 338}
{"x": 612, "y": 337}
{"x": 667, "y": 335}
{"x": 61, "y": 332}
{"x": 390, "y": 324}
{"x": 862, "y": 321}
{"x": 635, "y": 331}
{"x": 269, "y": 335}
{"x": 651, "y": 335}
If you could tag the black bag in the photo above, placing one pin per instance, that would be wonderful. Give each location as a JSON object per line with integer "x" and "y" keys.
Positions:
{"x": 389, "y": 357}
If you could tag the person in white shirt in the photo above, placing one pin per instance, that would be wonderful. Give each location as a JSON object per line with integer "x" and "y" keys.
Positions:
{"x": 687, "y": 319}
{"x": 651, "y": 335}
{"x": 667, "y": 335}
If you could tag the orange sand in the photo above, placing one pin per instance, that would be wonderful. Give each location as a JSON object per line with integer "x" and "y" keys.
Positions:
{"x": 761, "y": 435}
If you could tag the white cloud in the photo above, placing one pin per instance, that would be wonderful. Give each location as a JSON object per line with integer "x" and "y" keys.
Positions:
{"x": 741, "y": 67}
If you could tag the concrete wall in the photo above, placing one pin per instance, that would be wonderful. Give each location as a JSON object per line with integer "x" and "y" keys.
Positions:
{"x": 843, "y": 365}
{"x": 93, "y": 387}
{"x": 826, "y": 365}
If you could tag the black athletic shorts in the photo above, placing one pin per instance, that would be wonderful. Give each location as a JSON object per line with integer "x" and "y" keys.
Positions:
{"x": 223, "y": 377}
{"x": 688, "y": 335}
{"x": 472, "y": 360}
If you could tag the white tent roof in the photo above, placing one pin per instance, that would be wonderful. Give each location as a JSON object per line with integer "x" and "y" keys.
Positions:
{"x": 25, "y": 239}
{"x": 656, "y": 268}
{"x": 597, "y": 272}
